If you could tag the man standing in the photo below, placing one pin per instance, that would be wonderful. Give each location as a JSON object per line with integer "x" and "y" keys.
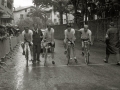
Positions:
{"x": 112, "y": 43}
{"x": 37, "y": 38}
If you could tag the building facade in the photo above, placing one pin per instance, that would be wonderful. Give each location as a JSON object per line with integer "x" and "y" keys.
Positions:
{"x": 21, "y": 13}
{"x": 6, "y": 11}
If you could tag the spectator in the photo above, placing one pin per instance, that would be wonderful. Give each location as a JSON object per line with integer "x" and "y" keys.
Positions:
{"x": 112, "y": 43}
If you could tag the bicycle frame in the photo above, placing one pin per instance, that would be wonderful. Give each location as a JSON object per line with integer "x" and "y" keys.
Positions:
{"x": 46, "y": 52}
{"x": 69, "y": 46}
{"x": 86, "y": 51}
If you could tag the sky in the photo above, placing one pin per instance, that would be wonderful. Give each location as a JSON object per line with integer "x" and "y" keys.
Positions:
{"x": 18, "y": 3}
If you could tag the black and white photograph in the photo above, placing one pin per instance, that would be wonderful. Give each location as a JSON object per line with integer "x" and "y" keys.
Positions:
{"x": 59, "y": 44}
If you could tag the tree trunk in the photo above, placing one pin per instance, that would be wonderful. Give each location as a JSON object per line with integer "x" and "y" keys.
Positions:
{"x": 75, "y": 14}
{"x": 66, "y": 18}
{"x": 61, "y": 17}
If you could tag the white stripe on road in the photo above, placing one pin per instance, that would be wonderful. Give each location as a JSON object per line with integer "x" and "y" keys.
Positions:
{"x": 76, "y": 65}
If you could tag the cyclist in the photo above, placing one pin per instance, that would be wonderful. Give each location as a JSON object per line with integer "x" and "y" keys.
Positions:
{"x": 85, "y": 36}
{"x": 70, "y": 35}
{"x": 27, "y": 37}
{"x": 49, "y": 37}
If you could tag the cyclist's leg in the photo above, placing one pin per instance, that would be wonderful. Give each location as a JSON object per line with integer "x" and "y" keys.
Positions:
{"x": 52, "y": 50}
{"x": 31, "y": 51}
{"x": 89, "y": 48}
{"x": 74, "y": 52}
{"x": 82, "y": 47}
{"x": 23, "y": 47}
{"x": 65, "y": 46}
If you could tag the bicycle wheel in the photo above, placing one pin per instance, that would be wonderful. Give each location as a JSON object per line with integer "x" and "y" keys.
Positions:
{"x": 27, "y": 57}
{"x": 86, "y": 57}
{"x": 68, "y": 55}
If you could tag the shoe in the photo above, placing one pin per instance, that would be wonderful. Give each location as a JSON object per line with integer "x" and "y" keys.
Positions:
{"x": 76, "y": 60}
{"x": 118, "y": 63}
{"x": 106, "y": 61}
{"x": 53, "y": 62}
{"x": 23, "y": 53}
{"x": 82, "y": 53}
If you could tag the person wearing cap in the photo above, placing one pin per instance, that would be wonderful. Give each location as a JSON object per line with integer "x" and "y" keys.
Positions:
{"x": 37, "y": 38}
{"x": 49, "y": 37}
{"x": 112, "y": 43}
{"x": 27, "y": 37}
{"x": 70, "y": 36}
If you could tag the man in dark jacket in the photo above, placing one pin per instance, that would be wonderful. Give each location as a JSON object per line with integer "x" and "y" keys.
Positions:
{"x": 37, "y": 38}
{"x": 112, "y": 43}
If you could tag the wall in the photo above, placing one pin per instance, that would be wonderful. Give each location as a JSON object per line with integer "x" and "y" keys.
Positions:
{"x": 17, "y": 15}
{"x": 7, "y": 45}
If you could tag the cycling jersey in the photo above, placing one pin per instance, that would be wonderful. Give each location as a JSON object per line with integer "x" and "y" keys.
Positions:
{"x": 85, "y": 35}
{"x": 49, "y": 35}
{"x": 28, "y": 36}
{"x": 70, "y": 35}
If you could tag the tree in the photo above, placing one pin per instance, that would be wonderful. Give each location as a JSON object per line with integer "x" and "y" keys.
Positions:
{"x": 43, "y": 3}
{"x": 37, "y": 12}
{"x": 59, "y": 5}
{"x": 76, "y": 4}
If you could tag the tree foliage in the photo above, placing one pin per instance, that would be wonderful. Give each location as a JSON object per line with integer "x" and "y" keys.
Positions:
{"x": 43, "y": 3}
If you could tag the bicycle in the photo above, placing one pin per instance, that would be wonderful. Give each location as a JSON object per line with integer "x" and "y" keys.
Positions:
{"x": 70, "y": 44}
{"x": 27, "y": 52}
{"x": 46, "y": 51}
{"x": 86, "y": 51}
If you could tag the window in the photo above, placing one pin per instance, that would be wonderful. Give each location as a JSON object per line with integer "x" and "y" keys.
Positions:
{"x": 25, "y": 10}
{"x": 21, "y": 16}
{"x": 31, "y": 10}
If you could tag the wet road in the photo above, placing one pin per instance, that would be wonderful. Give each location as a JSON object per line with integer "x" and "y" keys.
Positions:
{"x": 96, "y": 76}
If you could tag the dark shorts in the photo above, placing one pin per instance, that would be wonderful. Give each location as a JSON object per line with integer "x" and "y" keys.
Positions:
{"x": 85, "y": 40}
{"x": 52, "y": 45}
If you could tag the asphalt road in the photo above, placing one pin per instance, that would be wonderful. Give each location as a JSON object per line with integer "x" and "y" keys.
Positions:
{"x": 95, "y": 76}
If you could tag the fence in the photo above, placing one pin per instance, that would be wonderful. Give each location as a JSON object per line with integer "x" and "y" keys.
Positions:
{"x": 7, "y": 45}
{"x": 98, "y": 28}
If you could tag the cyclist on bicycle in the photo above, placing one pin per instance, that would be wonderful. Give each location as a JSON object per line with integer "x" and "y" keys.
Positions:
{"x": 49, "y": 37}
{"x": 85, "y": 36}
{"x": 70, "y": 36}
{"x": 27, "y": 37}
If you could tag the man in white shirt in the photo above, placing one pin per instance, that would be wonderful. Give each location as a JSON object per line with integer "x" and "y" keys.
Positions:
{"x": 70, "y": 36}
{"x": 86, "y": 35}
{"x": 49, "y": 37}
{"x": 27, "y": 37}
